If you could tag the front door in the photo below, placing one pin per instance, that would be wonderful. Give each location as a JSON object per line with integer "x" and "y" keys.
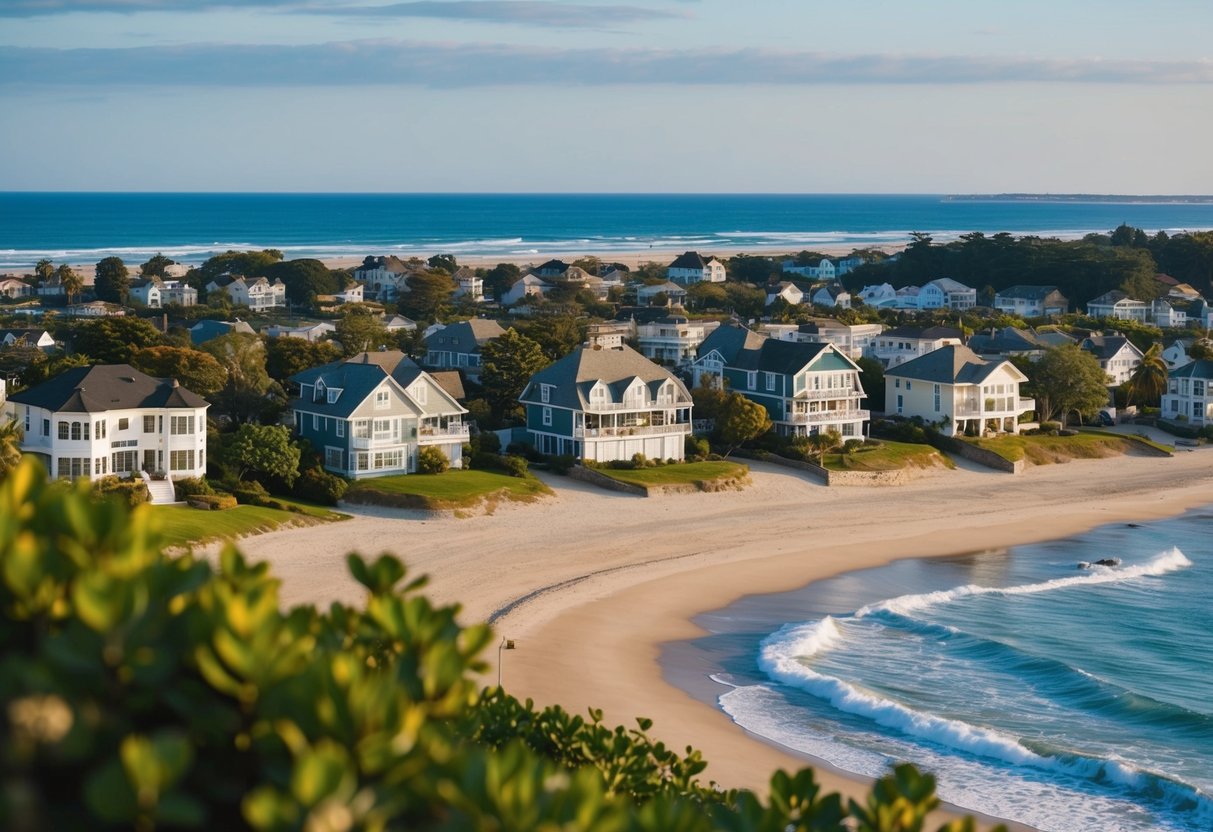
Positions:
{"x": 149, "y": 461}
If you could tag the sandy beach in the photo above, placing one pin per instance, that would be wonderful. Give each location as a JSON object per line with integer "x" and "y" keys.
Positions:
{"x": 589, "y": 584}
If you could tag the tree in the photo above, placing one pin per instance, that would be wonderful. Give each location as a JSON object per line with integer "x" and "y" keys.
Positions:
{"x": 157, "y": 266}
{"x": 284, "y": 357}
{"x": 871, "y": 376}
{"x": 43, "y": 270}
{"x": 360, "y": 331}
{"x": 1068, "y": 380}
{"x": 114, "y": 340}
{"x": 506, "y": 365}
{"x": 749, "y": 268}
{"x": 1149, "y": 379}
{"x": 10, "y": 447}
{"x": 245, "y": 396}
{"x": 557, "y": 335}
{"x": 429, "y": 293}
{"x": 500, "y": 278}
{"x": 304, "y": 279}
{"x": 263, "y": 449}
{"x": 251, "y": 263}
{"x": 443, "y": 262}
{"x": 740, "y": 420}
{"x": 112, "y": 283}
{"x": 196, "y": 371}
{"x": 71, "y": 283}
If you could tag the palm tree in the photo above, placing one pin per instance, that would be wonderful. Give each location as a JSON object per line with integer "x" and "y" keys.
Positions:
{"x": 10, "y": 447}
{"x": 1149, "y": 380}
{"x": 69, "y": 281}
{"x": 44, "y": 269}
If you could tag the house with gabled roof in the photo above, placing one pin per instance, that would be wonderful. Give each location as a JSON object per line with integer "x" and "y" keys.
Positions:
{"x": 207, "y": 330}
{"x": 370, "y": 415}
{"x": 946, "y": 293}
{"x": 673, "y": 339}
{"x": 959, "y": 390}
{"x": 11, "y": 287}
{"x": 39, "y": 338}
{"x": 552, "y": 268}
{"x": 693, "y": 267}
{"x": 527, "y": 286}
{"x": 1189, "y": 396}
{"x": 457, "y": 346}
{"x": 112, "y": 419}
{"x": 673, "y": 294}
{"x": 905, "y": 343}
{"x": 1175, "y": 352}
{"x": 468, "y": 285}
{"x": 806, "y": 388}
{"x": 1031, "y": 301}
{"x": 1116, "y": 304}
{"x": 786, "y": 290}
{"x": 832, "y": 295}
{"x": 384, "y": 278}
{"x": 607, "y": 405}
{"x": 1008, "y": 342}
{"x": 1117, "y": 355}
{"x": 879, "y": 295}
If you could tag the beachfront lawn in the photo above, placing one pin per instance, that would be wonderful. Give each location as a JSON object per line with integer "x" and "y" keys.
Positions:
{"x": 452, "y": 489}
{"x": 698, "y": 474}
{"x": 887, "y": 456}
{"x": 1047, "y": 450}
{"x": 185, "y": 526}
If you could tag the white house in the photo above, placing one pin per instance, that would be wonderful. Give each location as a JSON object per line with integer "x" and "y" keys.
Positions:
{"x": 94, "y": 309}
{"x": 946, "y": 293}
{"x": 146, "y": 292}
{"x": 1031, "y": 301}
{"x": 832, "y": 296}
{"x": 673, "y": 339}
{"x": 12, "y": 288}
{"x": 907, "y": 297}
{"x": 855, "y": 340}
{"x": 824, "y": 269}
{"x": 1169, "y": 314}
{"x": 112, "y": 419}
{"x": 39, "y": 338}
{"x": 1189, "y": 396}
{"x": 956, "y": 388}
{"x": 1117, "y": 355}
{"x": 609, "y": 335}
{"x": 674, "y": 294}
{"x": 786, "y": 290}
{"x": 1175, "y": 352}
{"x": 311, "y": 332}
{"x": 468, "y": 286}
{"x": 691, "y": 267}
{"x": 384, "y": 278}
{"x": 178, "y": 292}
{"x": 527, "y": 286}
{"x": 905, "y": 343}
{"x": 1116, "y": 304}
{"x": 254, "y": 292}
{"x": 878, "y": 295}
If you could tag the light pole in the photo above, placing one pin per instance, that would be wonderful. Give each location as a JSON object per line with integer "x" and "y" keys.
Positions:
{"x": 506, "y": 644}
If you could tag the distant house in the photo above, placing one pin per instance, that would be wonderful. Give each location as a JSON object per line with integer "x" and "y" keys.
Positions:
{"x": 671, "y": 293}
{"x": 112, "y": 419}
{"x": 529, "y": 285}
{"x": 907, "y": 297}
{"x": 1116, "y": 304}
{"x": 1117, "y": 355}
{"x": 1175, "y": 313}
{"x": 805, "y": 388}
{"x": 13, "y": 288}
{"x": 38, "y": 338}
{"x": 1175, "y": 352}
{"x": 878, "y": 295}
{"x": 204, "y": 331}
{"x": 311, "y": 332}
{"x": 178, "y": 292}
{"x": 673, "y": 339}
{"x": 1008, "y": 342}
{"x": 1189, "y": 396}
{"x": 467, "y": 285}
{"x": 946, "y": 293}
{"x": 399, "y": 323}
{"x": 457, "y": 346}
{"x": 856, "y": 340}
{"x": 1031, "y": 301}
{"x": 146, "y": 292}
{"x": 383, "y": 278}
{"x": 370, "y": 415}
{"x": 691, "y": 267}
{"x": 958, "y": 388}
{"x": 823, "y": 269}
{"x": 257, "y": 293}
{"x": 610, "y": 335}
{"x": 833, "y": 296}
{"x": 552, "y": 268}
{"x": 94, "y": 309}
{"x": 905, "y": 343}
{"x": 786, "y": 290}
{"x": 607, "y": 405}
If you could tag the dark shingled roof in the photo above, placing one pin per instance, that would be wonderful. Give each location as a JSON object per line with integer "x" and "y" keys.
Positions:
{"x": 465, "y": 336}
{"x": 1007, "y": 339}
{"x": 391, "y": 263}
{"x": 1194, "y": 369}
{"x": 573, "y": 376}
{"x": 1026, "y": 292}
{"x": 930, "y": 333}
{"x": 688, "y": 260}
{"x": 728, "y": 340}
{"x": 356, "y": 377}
{"x": 953, "y": 364}
{"x": 204, "y": 331}
{"x": 107, "y": 387}
{"x": 1104, "y": 347}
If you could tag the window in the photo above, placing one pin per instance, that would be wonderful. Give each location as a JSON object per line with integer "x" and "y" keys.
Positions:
{"x": 382, "y": 427}
{"x": 149, "y": 424}
{"x": 1197, "y": 409}
{"x": 63, "y": 429}
{"x": 770, "y": 380}
{"x": 907, "y": 384}
{"x": 897, "y": 383}
{"x": 124, "y": 424}
{"x": 75, "y": 430}
{"x": 315, "y": 422}
{"x": 545, "y": 393}
{"x": 182, "y": 426}
{"x": 333, "y": 394}
{"x": 333, "y": 458}
{"x": 340, "y": 428}
{"x": 936, "y": 398}
{"x": 383, "y": 400}
{"x": 46, "y": 427}
{"x": 362, "y": 429}
{"x": 99, "y": 429}
{"x": 900, "y": 403}
{"x": 420, "y": 392}
{"x": 751, "y": 380}
{"x": 181, "y": 460}
{"x": 547, "y": 417}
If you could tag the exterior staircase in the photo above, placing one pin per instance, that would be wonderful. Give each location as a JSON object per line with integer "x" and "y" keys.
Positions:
{"x": 160, "y": 492}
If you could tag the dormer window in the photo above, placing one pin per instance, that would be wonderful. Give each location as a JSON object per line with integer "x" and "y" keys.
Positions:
{"x": 545, "y": 393}
{"x": 333, "y": 394}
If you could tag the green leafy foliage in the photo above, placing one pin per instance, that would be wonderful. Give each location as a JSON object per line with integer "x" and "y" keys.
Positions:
{"x": 146, "y": 691}
{"x": 431, "y": 460}
{"x": 1067, "y": 380}
{"x": 197, "y": 371}
{"x": 114, "y": 340}
{"x": 112, "y": 283}
{"x": 507, "y": 364}
{"x": 739, "y": 420}
{"x": 263, "y": 449}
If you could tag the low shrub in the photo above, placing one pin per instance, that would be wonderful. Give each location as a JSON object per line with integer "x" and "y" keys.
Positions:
{"x": 131, "y": 492}
{"x": 563, "y": 464}
{"x": 319, "y": 486}
{"x": 639, "y": 460}
{"x": 488, "y": 442}
{"x": 1050, "y": 427}
{"x": 525, "y": 449}
{"x": 431, "y": 460}
{"x": 513, "y": 465}
{"x": 250, "y": 493}
{"x": 191, "y": 486}
{"x": 213, "y": 502}
{"x": 852, "y": 445}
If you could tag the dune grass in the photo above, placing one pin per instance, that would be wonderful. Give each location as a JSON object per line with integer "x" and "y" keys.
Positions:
{"x": 888, "y": 456}
{"x": 699, "y": 474}
{"x": 453, "y": 489}
{"x": 1048, "y": 450}
{"x": 185, "y": 526}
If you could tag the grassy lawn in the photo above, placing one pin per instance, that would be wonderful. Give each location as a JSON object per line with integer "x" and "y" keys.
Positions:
{"x": 454, "y": 489}
{"x": 1143, "y": 439}
{"x": 1046, "y": 450}
{"x": 183, "y": 526}
{"x": 888, "y": 456}
{"x": 685, "y": 473}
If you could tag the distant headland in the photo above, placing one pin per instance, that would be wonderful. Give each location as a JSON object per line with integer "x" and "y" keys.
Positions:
{"x": 1195, "y": 199}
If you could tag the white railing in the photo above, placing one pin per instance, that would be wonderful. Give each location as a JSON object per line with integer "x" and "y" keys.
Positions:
{"x": 1027, "y": 404}
{"x": 365, "y": 442}
{"x": 641, "y": 407}
{"x": 436, "y": 432}
{"x": 836, "y": 393}
{"x": 634, "y": 430}
{"x": 829, "y": 416}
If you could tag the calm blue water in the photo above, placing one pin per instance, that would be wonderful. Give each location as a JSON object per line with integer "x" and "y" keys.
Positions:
{"x": 85, "y": 227}
{"x": 1063, "y": 698}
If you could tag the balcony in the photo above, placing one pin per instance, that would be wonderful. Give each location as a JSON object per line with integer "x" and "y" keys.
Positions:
{"x": 363, "y": 443}
{"x": 824, "y": 416}
{"x": 603, "y": 407}
{"x": 829, "y": 394}
{"x": 440, "y": 433}
{"x": 633, "y": 430}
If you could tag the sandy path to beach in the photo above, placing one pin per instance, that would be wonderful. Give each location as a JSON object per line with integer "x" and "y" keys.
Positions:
{"x": 591, "y": 583}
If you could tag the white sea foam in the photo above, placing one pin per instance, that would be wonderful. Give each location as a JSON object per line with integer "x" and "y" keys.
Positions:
{"x": 1169, "y": 561}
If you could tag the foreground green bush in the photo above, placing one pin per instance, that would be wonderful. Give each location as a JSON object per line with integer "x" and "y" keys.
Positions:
{"x": 138, "y": 690}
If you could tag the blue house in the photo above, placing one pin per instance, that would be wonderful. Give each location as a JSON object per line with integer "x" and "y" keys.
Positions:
{"x": 607, "y": 405}
{"x": 806, "y": 388}
{"x": 370, "y": 414}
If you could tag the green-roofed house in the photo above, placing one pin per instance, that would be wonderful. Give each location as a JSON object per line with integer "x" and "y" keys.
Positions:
{"x": 370, "y": 414}
{"x": 607, "y": 405}
{"x": 806, "y": 388}
{"x": 1189, "y": 395}
{"x": 958, "y": 388}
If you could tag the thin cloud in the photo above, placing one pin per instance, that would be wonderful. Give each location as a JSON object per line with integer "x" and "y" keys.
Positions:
{"x": 390, "y": 62}
{"x": 39, "y": 8}
{"x": 525, "y": 12}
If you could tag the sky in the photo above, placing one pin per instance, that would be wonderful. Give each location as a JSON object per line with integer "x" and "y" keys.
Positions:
{"x": 672, "y": 96}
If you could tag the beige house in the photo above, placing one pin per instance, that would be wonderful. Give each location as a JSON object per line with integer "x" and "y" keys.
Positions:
{"x": 960, "y": 390}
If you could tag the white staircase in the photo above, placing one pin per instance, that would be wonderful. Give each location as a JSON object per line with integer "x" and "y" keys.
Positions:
{"x": 160, "y": 492}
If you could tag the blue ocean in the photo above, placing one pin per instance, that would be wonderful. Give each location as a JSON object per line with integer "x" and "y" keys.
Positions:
{"x": 84, "y": 227}
{"x": 1065, "y": 698}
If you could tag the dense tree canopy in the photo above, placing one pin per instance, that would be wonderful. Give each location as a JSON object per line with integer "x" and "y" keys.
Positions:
{"x": 507, "y": 364}
{"x": 287, "y": 356}
{"x": 244, "y": 396}
{"x": 360, "y": 330}
{"x": 114, "y": 340}
{"x": 196, "y": 370}
{"x": 156, "y": 266}
{"x": 304, "y": 279}
{"x": 740, "y": 420}
{"x": 112, "y": 282}
{"x": 1067, "y": 380}
{"x": 429, "y": 294}
{"x": 262, "y": 449}
{"x": 500, "y": 278}
{"x": 71, "y": 283}
{"x": 253, "y": 263}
